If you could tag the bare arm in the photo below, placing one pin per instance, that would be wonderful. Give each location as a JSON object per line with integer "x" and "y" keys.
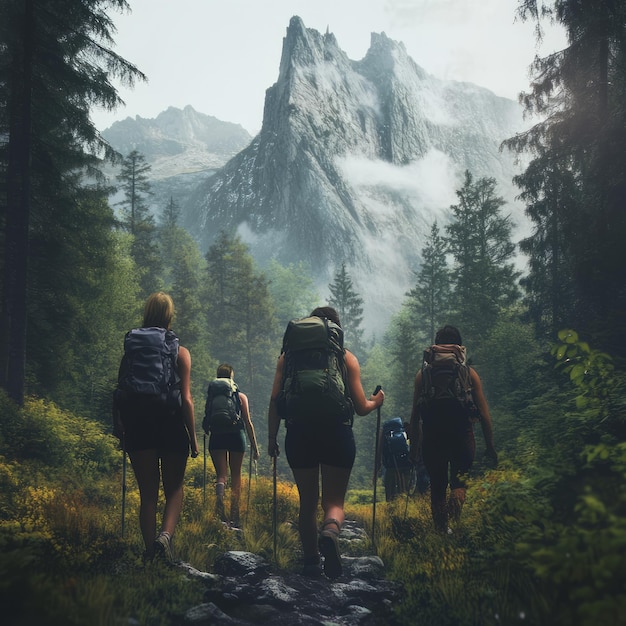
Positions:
{"x": 247, "y": 422}
{"x": 485, "y": 416}
{"x": 362, "y": 405}
{"x": 416, "y": 429}
{"x": 184, "y": 370}
{"x": 273, "y": 418}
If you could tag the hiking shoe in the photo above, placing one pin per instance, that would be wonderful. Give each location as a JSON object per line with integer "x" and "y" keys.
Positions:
{"x": 329, "y": 548}
{"x": 163, "y": 547}
{"x": 220, "y": 512}
{"x": 312, "y": 567}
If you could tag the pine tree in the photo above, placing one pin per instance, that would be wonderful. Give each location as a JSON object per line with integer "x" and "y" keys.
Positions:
{"x": 479, "y": 238}
{"x": 137, "y": 219}
{"x": 170, "y": 237}
{"x": 349, "y": 305}
{"x": 292, "y": 290}
{"x": 578, "y": 94}
{"x": 240, "y": 314}
{"x": 429, "y": 300}
{"x": 55, "y": 63}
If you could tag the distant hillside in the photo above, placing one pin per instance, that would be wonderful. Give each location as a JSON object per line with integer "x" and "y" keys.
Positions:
{"x": 182, "y": 147}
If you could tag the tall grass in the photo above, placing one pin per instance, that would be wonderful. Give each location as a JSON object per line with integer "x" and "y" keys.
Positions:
{"x": 63, "y": 559}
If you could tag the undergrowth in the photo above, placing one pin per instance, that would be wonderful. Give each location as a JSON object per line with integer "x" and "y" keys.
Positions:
{"x": 519, "y": 555}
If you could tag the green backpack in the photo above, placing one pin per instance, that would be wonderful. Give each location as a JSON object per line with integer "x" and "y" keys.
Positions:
{"x": 314, "y": 384}
{"x": 222, "y": 411}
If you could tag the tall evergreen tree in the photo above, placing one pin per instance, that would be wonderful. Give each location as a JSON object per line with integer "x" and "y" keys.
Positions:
{"x": 579, "y": 94}
{"x": 429, "y": 300}
{"x": 549, "y": 193}
{"x": 405, "y": 344}
{"x": 240, "y": 315}
{"x": 349, "y": 305}
{"x": 292, "y": 290}
{"x": 55, "y": 63}
{"x": 479, "y": 238}
{"x": 169, "y": 235}
{"x": 138, "y": 220}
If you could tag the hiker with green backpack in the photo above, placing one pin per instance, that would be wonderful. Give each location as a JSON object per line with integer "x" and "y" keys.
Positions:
{"x": 153, "y": 416}
{"x": 448, "y": 400}
{"x": 317, "y": 389}
{"x": 226, "y": 419}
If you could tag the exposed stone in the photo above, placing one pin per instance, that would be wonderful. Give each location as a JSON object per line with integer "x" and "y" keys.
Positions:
{"x": 245, "y": 591}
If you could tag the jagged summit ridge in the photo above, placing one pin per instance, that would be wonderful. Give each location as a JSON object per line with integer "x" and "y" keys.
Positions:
{"x": 354, "y": 161}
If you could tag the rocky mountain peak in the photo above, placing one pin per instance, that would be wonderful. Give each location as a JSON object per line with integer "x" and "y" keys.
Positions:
{"x": 354, "y": 161}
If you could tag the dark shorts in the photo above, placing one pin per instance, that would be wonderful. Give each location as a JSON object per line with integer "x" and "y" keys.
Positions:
{"x": 150, "y": 427}
{"x": 448, "y": 448}
{"x": 233, "y": 442}
{"x": 307, "y": 447}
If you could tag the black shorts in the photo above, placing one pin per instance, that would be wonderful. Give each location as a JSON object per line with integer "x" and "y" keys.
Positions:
{"x": 149, "y": 426}
{"x": 233, "y": 442}
{"x": 308, "y": 446}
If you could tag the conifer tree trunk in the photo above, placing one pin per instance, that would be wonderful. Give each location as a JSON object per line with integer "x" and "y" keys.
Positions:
{"x": 13, "y": 355}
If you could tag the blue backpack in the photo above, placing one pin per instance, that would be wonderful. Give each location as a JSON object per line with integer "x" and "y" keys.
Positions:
{"x": 148, "y": 370}
{"x": 395, "y": 445}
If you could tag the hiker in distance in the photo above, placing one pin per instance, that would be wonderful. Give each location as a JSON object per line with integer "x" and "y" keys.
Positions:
{"x": 317, "y": 388}
{"x": 154, "y": 418}
{"x": 448, "y": 399}
{"x": 227, "y": 416}
{"x": 393, "y": 459}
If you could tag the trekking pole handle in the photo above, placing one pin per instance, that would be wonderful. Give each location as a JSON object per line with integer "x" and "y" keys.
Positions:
{"x": 378, "y": 388}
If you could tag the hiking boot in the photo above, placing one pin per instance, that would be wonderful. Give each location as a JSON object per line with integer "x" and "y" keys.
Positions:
{"x": 328, "y": 544}
{"x": 163, "y": 547}
{"x": 312, "y": 567}
{"x": 220, "y": 512}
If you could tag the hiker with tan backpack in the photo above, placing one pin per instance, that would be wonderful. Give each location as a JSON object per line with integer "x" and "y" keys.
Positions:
{"x": 448, "y": 400}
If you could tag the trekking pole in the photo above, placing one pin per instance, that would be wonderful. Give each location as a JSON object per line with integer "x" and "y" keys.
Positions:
{"x": 412, "y": 478}
{"x": 204, "y": 470}
{"x": 123, "y": 484}
{"x": 378, "y": 388}
{"x": 274, "y": 508}
{"x": 249, "y": 484}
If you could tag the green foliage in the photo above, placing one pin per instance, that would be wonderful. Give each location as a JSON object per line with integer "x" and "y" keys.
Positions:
{"x": 576, "y": 178}
{"x": 138, "y": 220}
{"x": 429, "y": 300}
{"x": 56, "y": 65}
{"x": 292, "y": 289}
{"x": 592, "y": 371}
{"x": 479, "y": 239}
{"x": 349, "y": 306}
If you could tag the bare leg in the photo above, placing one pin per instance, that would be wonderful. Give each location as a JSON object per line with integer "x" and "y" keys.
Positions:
{"x": 173, "y": 473}
{"x": 307, "y": 481}
{"x": 220, "y": 462}
{"x": 145, "y": 465}
{"x": 235, "y": 461}
{"x": 334, "y": 486}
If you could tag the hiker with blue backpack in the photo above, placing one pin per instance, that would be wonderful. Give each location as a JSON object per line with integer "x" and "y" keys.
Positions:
{"x": 154, "y": 419}
{"x": 317, "y": 389}
{"x": 394, "y": 459}
{"x": 448, "y": 400}
{"x": 226, "y": 419}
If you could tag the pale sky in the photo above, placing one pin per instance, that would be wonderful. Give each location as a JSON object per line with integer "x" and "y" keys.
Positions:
{"x": 219, "y": 56}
